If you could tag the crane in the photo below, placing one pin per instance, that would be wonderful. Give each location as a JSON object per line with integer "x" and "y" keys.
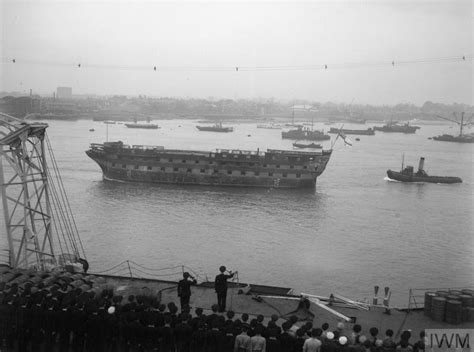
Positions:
{"x": 40, "y": 229}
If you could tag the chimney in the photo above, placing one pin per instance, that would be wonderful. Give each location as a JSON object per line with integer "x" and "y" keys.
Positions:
{"x": 422, "y": 164}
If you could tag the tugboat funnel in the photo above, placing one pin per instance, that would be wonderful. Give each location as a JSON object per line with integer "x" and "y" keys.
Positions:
{"x": 422, "y": 164}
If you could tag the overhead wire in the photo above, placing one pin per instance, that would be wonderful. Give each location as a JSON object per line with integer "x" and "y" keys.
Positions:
{"x": 153, "y": 67}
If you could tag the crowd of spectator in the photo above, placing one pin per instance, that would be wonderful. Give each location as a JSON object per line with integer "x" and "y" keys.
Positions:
{"x": 55, "y": 315}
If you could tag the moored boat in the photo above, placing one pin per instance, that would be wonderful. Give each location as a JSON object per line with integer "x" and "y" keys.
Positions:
{"x": 459, "y": 139}
{"x": 215, "y": 128}
{"x": 155, "y": 164}
{"x": 142, "y": 125}
{"x": 311, "y": 145}
{"x": 305, "y": 134}
{"x": 270, "y": 127}
{"x": 367, "y": 132}
{"x": 394, "y": 127}
{"x": 407, "y": 174}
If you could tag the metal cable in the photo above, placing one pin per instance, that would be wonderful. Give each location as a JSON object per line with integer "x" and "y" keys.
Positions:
{"x": 67, "y": 203}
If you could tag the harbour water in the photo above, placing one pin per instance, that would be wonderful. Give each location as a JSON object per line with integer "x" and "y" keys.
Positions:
{"x": 356, "y": 230}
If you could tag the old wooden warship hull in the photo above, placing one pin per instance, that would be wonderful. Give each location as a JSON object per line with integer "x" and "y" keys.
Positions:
{"x": 271, "y": 169}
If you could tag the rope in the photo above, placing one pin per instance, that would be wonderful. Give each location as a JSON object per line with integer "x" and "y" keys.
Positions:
{"x": 154, "y": 275}
{"x": 112, "y": 268}
{"x": 147, "y": 272}
{"x": 152, "y": 269}
{"x": 235, "y": 278}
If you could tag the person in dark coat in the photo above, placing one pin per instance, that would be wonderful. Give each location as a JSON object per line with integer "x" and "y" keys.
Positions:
{"x": 183, "y": 333}
{"x": 220, "y": 285}
{"x": 184, "y": 289}
{"x": 287, "y": 341}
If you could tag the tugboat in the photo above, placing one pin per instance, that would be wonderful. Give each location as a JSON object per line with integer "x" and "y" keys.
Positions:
{"x": 461, "y": 138}
{"x": 216, "y": 128}
{"x": 407, "y": 175}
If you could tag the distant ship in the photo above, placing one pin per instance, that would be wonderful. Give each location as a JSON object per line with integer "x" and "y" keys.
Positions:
{"x": 360, "y": 121}
{"x": 305, "y": 134}
{"x": 142, "y": 125}
{"x": 270, "y": 127}
{"x": 394, "y": 127}
{"x": 408, "y": 175}
{"x": 465, "y": 138}
{"x": 272, "y": 168}
{"x": 216, "y": 128}
{"x": 461, "y": 138}
{"x": 368, "y": 131}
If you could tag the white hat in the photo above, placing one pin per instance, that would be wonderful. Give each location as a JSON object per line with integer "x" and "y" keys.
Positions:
{"x": 343, "y": 340}
{"x": 111, "y": 310}
{"x": 330, "y": 335}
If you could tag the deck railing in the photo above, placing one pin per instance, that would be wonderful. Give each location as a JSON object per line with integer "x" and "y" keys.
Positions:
{"x": 129, "y": 268}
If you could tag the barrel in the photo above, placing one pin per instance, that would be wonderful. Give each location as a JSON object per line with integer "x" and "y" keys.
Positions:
{"x": 467, "y": 291}
{"x": 464, "y": 314}
{"x": 453, "y": 312}
{"x": 442, "y": 293}
{"x": 466, "y": 300}
{"x": 455, "y": 292}
{"x": 451, "y": 297}
{"x": 470, "y": 314}
{"x": 427, "y": 307}
{"x": 438, "y": 306}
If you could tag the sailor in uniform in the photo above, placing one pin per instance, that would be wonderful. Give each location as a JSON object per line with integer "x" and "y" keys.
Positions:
{"x": 220, "y": 286}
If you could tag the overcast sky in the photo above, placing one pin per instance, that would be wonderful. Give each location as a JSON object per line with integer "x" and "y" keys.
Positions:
{"x": 197, "y": 45}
